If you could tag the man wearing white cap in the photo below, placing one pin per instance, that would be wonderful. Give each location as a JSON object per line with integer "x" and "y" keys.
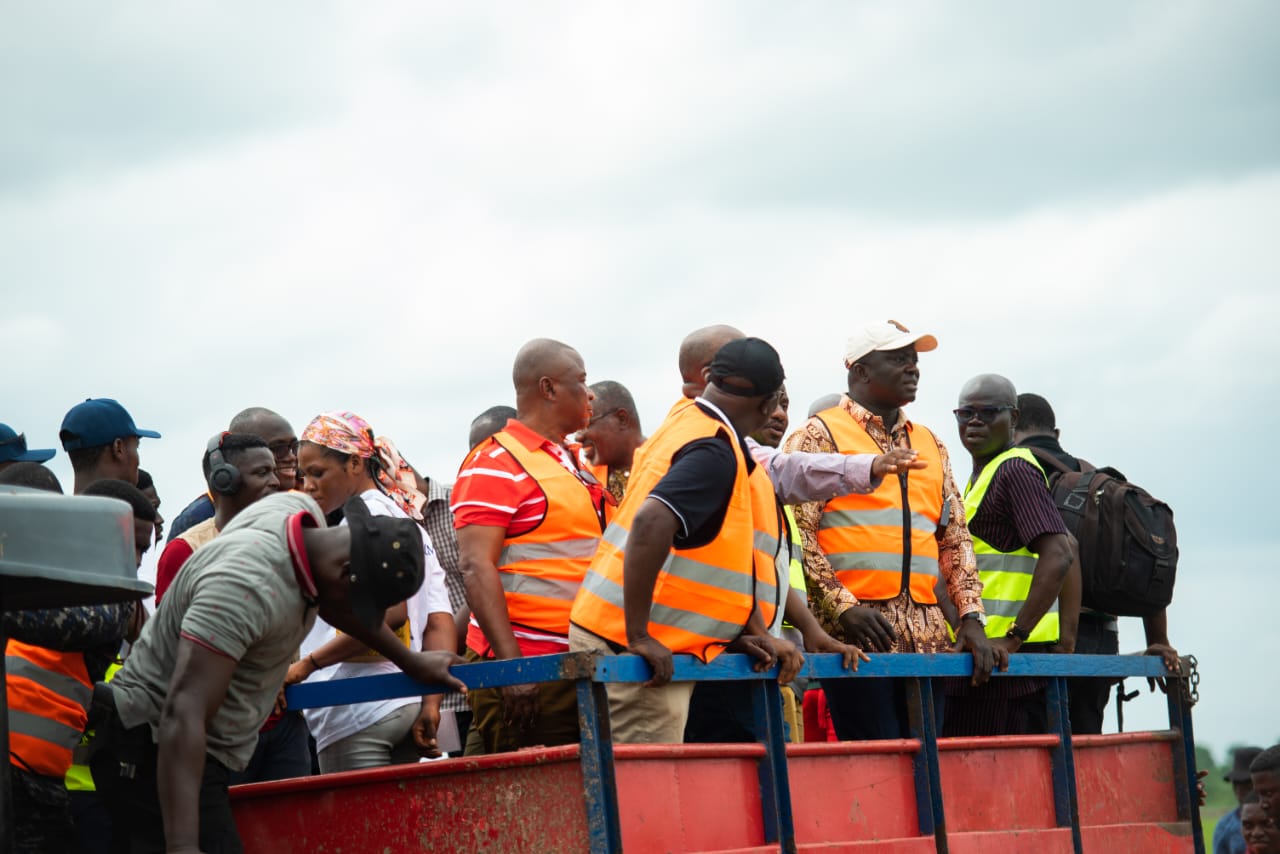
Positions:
{"x": 875, "y": 562}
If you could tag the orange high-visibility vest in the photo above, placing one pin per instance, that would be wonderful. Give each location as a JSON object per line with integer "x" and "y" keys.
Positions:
{"x": 874, "y": 541}
{"x": 703, "y": 596}
{"x": 49, "y": 694}
{"x": 542, "y": 569}
{"x": 770, "y": 548}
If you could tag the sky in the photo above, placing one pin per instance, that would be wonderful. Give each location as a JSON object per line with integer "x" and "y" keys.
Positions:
{"x": 315, "y": 206}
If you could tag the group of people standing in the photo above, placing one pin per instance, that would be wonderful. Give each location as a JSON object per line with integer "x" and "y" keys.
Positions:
{"x": 327, "y": 555}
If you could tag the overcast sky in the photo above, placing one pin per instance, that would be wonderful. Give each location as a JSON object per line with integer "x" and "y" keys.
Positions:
{"x": 313, "y": 206}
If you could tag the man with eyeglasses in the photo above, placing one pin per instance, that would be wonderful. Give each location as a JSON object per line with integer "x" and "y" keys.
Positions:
{"x": 610, "y": 439}
{"x": 1024, "y": 555}
{"x": 271, "y": 428}
{"x": 878, "y": 563}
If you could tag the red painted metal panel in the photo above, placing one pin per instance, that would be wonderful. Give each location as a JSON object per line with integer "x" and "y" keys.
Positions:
{"x": 998, "y": 783}
{"x": 689, "y": 797}
{"x": 1055, "y": 840}
{"x": 852, "y": 791}
{"x": 512, "y": 802}
{"x": 1174, "y": 838}
{"x": 1126, "y": 778}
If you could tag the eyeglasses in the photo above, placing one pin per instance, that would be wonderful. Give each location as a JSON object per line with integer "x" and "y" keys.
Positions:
{"x": 985, "y": 414}
{"x": 284, "y": 448}
{"x": 600, "y": 417}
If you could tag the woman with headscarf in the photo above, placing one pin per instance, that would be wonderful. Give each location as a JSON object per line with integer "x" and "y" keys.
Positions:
{"x": 340, "y": 458}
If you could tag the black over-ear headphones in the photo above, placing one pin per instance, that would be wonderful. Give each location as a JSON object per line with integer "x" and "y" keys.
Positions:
{"x": 224, "y": 478}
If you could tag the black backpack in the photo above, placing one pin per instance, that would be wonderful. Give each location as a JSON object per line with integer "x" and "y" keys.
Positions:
{"x": 1128, "y": 545}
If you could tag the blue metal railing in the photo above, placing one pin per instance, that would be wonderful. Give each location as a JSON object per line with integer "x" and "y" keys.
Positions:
{"x": 591, "y": 671}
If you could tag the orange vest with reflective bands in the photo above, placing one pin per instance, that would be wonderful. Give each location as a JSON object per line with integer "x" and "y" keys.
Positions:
{"x": 49, "y": 694}
{"x": 870, "y": 540}
{"x": 703, "y": 596}
{"x": 770, "y": 548}
{"x": 542, "y": 569}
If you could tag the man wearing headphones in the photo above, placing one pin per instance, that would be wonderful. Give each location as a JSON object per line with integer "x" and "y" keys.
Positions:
{"x": 239, "y": 469}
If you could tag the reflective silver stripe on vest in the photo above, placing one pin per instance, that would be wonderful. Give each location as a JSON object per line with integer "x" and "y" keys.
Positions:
{"x": 562, "y": 550}
{"x": 714, "y": 576}
{"x": 529, "y": 585}
{"x": 58, "y": 683}
{"x": 888, "y": 517}
{"x": 25, "y": 723}
{"x": 882, "y": 561}
{"x": 1024, "y": 564}
{"x": 694, "y": 570}
{"x": 1006, "y": 608}
{"x": 664, "y": 615}
{"x": 766, "y": 543}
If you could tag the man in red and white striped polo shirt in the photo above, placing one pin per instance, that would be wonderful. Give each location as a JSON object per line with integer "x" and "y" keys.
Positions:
{"x": 528, "y": 521}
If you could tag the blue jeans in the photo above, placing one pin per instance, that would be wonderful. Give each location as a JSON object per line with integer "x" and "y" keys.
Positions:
{"x": 282, "y": 752}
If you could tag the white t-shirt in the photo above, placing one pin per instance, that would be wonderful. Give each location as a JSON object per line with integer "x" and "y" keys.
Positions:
{"x": 332, "y": 723}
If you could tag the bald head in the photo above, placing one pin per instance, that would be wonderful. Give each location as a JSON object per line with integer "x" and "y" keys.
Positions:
{"x": 990, "y": 388}
{"x": 552, "y": 397}
{"x": 541, "y": 357}
{"x": 258, "y": 421}
{"x": 698, "y": 349}
{"x": 272, "y": 428}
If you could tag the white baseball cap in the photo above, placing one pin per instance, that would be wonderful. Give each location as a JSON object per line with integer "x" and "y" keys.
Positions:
{"x": 886, "y": 335}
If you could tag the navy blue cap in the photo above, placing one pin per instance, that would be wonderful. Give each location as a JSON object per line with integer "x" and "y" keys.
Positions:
{"x": 96, "y": 422}
{"x": 13, "y": 448}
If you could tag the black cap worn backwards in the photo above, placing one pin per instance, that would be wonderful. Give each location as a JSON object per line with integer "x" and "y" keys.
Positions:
{"x": 747, "y": 367}
{"x": 387, "y": 562}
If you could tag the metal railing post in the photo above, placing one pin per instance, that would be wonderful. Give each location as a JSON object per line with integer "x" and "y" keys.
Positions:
{"x": 775, "y": 785}
{"x": 928, "y": 771}
{"x": 1066, "y": 804}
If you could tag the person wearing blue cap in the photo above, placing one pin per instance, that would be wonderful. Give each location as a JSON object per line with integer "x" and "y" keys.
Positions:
{"x": 13, "y": 449}
{"x": 100, "y": 438}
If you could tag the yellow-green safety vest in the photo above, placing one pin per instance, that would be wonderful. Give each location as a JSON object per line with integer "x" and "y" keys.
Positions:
{"x": 79, "y": 778}
{"x": 1006, "y": 576}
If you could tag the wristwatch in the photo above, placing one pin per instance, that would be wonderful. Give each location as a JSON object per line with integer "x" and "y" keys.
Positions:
{"x": 975, "y": 616}
{"x": 1019, "y": 633}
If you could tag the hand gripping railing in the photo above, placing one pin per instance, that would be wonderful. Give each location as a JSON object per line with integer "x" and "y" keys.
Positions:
{"x": 591, "y": 671}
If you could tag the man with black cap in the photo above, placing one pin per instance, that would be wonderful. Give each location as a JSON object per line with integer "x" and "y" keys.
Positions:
{"x": 1227, "y": 836}
{"x": 13, "y": 449}
{"x": 100, "y": 438}
{"x": 678, "y": 570}
{"x": 186, "y": 707}
{"x": 875, "y": 563}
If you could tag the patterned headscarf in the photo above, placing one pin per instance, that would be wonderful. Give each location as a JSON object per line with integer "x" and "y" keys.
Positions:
{"x": 348, "y": 433}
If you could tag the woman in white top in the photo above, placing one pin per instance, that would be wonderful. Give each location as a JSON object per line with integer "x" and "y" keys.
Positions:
{"x": 341, "y": 458}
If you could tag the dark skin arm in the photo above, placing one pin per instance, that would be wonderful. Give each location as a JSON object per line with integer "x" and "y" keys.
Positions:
{"x": 1052, "y": 567}
{"x": 1069, "y": 604}
{"x": 428, "y": 667}
{"x": 340, "y": 649}
{"x": 479, "y": 550}
{"x": 652, "y": 531}
{"x": 1156, "y": 628}
{"x": 815, "y": 639}
{"x": 439, "y": 635}
{"x": 196, "y": 690}
{"x": 971, "y": 637}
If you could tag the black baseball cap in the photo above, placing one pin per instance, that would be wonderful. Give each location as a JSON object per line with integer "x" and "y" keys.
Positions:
{"x": 387, "y": 562}
{"x": 747, "y": 367}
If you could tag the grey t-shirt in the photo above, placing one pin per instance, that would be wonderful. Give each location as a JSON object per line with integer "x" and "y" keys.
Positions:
{"x": 240, "y": 597}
